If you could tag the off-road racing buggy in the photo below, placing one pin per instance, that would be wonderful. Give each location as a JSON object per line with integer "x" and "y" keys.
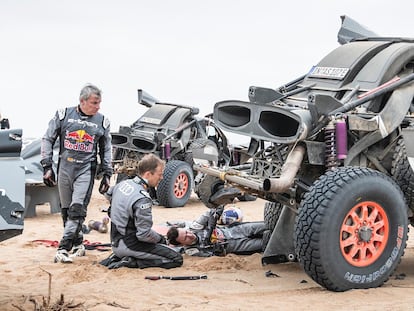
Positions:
{"x": 176, "y": 134}
{"x": 333, "y": 154}
{"x": 12, "y": 193}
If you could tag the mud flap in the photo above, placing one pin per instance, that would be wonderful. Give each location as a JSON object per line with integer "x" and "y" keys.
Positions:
{"x": 280, "y": 247}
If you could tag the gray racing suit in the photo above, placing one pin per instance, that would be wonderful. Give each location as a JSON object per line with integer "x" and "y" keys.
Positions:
{"x": 82, "y": 139}
{"x": 131, "y": 227}
{"x": 238, "y": 238}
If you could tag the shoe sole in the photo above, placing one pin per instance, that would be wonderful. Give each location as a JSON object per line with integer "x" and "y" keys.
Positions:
{"x": 67, "y": 260}
{"x": 62, "y": 261}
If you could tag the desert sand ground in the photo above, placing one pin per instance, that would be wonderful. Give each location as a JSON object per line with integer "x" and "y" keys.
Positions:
{"x": 233, "y": 282}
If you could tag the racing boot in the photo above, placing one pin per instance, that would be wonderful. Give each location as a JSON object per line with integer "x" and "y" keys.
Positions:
{"x": 78, "y": 251}
{"x": 62, "y": 256}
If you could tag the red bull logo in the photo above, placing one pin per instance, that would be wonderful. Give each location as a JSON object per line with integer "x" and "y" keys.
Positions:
{"x": 80, "y": 136}
{"x": 79, "y": 140}
{"x": 217, "y": 236}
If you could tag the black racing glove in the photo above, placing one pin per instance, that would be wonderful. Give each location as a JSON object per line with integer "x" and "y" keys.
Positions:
{"x": 105, "y": 183}
{"x": 49, "y": 177}
{"x": 219, "y": 249}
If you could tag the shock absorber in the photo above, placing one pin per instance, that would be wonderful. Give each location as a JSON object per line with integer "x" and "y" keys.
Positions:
{"x": 341, "y": 138}
{"x": 331, "y": 160}
{"x": 166, "y": 150}
{"x": 336, "y": 141}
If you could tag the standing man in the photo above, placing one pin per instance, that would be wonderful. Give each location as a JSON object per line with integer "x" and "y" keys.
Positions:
{"x": 84, "y": 135}
{"x": 134, "y": 242}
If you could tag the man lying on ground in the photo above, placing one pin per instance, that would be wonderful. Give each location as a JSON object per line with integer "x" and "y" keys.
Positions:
{"x": 236, "y": 237}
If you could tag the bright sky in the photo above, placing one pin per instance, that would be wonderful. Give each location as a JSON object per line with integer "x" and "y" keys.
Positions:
{"x": 186, "y": 52}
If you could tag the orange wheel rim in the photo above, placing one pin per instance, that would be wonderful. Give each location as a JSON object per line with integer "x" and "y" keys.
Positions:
{"x": 364, "y": 234}
{"x": 181, "y": 186}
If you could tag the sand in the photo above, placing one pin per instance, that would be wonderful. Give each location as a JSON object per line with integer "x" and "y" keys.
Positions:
{"x": 30, "y": 278}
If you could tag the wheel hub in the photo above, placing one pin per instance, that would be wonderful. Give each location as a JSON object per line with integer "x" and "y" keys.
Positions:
{"x": 365, "y": 234}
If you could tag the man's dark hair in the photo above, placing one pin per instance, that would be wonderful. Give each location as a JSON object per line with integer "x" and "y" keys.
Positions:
{"x": 172, "y": 236}
{"x": 149, "y": 163}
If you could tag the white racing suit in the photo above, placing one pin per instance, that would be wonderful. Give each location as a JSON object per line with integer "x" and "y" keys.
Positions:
{"x": 82, "y": 139}
{"x": 131, "y": 227}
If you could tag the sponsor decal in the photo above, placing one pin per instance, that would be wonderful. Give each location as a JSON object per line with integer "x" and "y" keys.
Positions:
{"x": 80, "y": 136}
{"x": 217, "y": 236}
{"x": 61, "y": 113}
{"x": 371, "y": 277}
{"x": 125, "y": 188}
{"x": 106, "y": 123}
{"x": 83, "y": 123}
{"x": 146, "y": 205}
{"x": 79, "y": 140}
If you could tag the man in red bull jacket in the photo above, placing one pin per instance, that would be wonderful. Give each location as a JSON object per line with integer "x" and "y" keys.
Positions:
{"x": 84, "y": 135}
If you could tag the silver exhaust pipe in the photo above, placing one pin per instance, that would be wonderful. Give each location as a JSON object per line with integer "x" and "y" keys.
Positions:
{"x": 277, "y": 185}
{"x": 288, "y": 173}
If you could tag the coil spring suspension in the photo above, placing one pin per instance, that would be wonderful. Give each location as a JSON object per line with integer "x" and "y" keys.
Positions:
{"x": 331, "y": 160}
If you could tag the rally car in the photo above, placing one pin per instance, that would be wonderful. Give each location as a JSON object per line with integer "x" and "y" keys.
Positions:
{"x": 333, "y": 154}
{"x": 12, "y": 184}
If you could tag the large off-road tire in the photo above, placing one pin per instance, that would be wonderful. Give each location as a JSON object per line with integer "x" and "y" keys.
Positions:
{"x": 271, "y": 214}
{"x": 351, "y": 230}
{"x": 403, "y": 174}
{"x": 266, "y": 238}
{"x": 175, "y": 188}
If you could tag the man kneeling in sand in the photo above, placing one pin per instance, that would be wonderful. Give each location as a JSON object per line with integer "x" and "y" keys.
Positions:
{"x": 134, "y": 243}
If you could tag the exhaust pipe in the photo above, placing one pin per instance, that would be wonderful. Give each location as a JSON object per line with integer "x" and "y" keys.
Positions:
{"x": 277, "y": 185}
{"x": 230, "y": 176}
{"x": 289, "y": 171}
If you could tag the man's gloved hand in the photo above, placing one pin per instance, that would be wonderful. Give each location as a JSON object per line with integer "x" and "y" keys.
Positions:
{"x": 219, "y": 249}
{"x": 49, "y": 177}
{"x": 105, "y": 183}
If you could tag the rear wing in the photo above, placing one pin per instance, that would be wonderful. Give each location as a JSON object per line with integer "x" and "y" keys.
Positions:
{"x": 351, "y": 30}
